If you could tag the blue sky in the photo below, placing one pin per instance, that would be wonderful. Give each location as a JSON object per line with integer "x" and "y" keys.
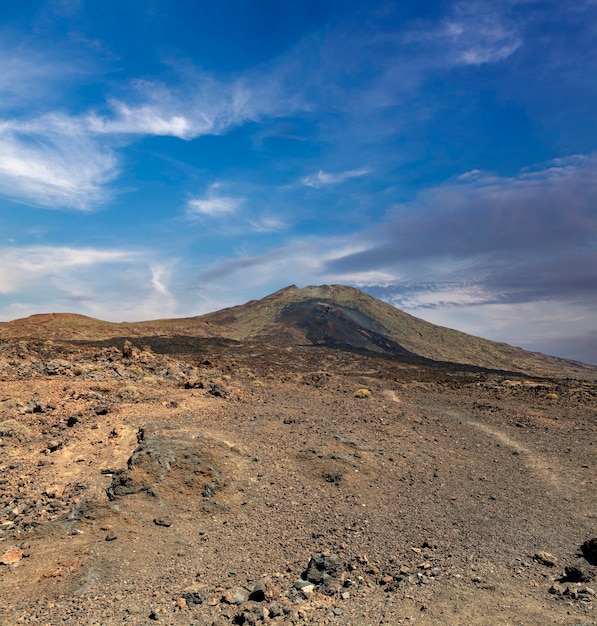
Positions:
{"x": 169, "y": 158}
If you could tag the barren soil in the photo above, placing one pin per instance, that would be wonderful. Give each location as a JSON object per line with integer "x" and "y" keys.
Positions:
{"x": 161, "y": 489}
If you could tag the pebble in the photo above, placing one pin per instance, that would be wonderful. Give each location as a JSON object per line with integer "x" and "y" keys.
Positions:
{"x": 545, "y": 558}
{"x": 163, "y": 521}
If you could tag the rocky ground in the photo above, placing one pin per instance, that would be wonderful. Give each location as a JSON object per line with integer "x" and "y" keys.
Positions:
{"x": 249, "y": 484}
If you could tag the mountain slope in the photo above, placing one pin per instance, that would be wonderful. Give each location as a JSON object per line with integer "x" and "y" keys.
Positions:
{"x": 71, "y": 326}
{"x": 332, "y": 316}
{"x": 338, "y": 316}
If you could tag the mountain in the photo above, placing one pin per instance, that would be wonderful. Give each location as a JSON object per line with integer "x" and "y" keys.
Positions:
{"x": 332, "y": 316}
{"x": 347, "y": 318}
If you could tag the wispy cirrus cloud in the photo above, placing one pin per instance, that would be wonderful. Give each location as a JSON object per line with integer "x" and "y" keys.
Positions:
{"x": 58, "y": 160}
{"x": 475, "y": 33}
{"x": 55, "y": 170}
{"x": 213, "y": 203}
{"x": 111, "y": 284}
{"x": 24, "y": 267}
{"x": 324, "y": 179}
{"x": 233, "y": 213}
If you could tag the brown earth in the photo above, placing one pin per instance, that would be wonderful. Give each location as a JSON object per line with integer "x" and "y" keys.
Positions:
{"x": 193, "y": 482}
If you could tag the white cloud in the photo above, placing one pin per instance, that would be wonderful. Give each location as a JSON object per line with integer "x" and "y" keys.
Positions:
{"x": 24, "y": 268}
{"x": 475, "y": 32}
{"x": 144, "y": 119}
{"x": 213, "y": 204}
{"x": 113, "y": 285}
{"x": 55, "y": 170}
{"x": 266, "y": 224}
{"x": 323, "y": 179}
{"x": 235, "y": 214}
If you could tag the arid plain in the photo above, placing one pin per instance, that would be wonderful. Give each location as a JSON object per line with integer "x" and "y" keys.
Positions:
{"x": 315, "y": 457}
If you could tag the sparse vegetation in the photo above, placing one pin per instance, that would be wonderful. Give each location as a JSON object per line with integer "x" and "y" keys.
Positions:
{"x": 128, "y": 393}
{"x": 136, "y": 370}
{"x": 362, "y": 393}
{"x": 14, "y": 429}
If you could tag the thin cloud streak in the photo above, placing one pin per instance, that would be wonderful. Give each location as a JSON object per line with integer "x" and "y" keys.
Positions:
{"x": 24, "y": 267}
{"x": 324, "y": 179}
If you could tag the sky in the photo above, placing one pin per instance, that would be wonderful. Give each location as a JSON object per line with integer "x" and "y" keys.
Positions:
{"x": 167, "y": 158}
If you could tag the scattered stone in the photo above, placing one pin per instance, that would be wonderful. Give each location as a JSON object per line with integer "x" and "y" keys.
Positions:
{"x": 54, "y": 445}
{"x": 275, "y": 610}
{"x": 218, "y": 391}
{"x": 163, "y": 521}
{"x": 194, "y": 597}
{"x": 545, "y": 558}
{"x": 236, "y": 595}
{"x": 589, "y": 550}
{"x": 35, "y": 406}
{"x": 194, "y": 384}
{"x": 55, "y": 491}
{"x": 307, "y": 589}
{"x": 12, "y": 557}
{"x": 264, "y": 591}
{"x": 578, "y": 573}
{"x": 301, "y": 584}
{"x": 331, "y": 586}
{"x": 110, "y": 537}
{"x": 321, "y": 567}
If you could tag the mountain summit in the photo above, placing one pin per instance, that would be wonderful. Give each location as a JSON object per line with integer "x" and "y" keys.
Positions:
{"x": 337, "y": 316}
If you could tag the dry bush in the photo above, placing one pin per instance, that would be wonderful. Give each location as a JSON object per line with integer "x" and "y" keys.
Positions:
{"x": 129, "y": 393}
{"x": 12, "y": 428}
{"x": 362, "y": 393}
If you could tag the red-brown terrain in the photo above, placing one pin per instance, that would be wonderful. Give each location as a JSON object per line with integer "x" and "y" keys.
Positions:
{"x": 315, "y": 457}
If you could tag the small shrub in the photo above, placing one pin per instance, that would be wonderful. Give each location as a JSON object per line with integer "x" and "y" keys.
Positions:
{"x": 129, "y": 393}
{"x": 551, "y": 396}
{"x": 362, "y": 393}
{"x": 12, "y": 428}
